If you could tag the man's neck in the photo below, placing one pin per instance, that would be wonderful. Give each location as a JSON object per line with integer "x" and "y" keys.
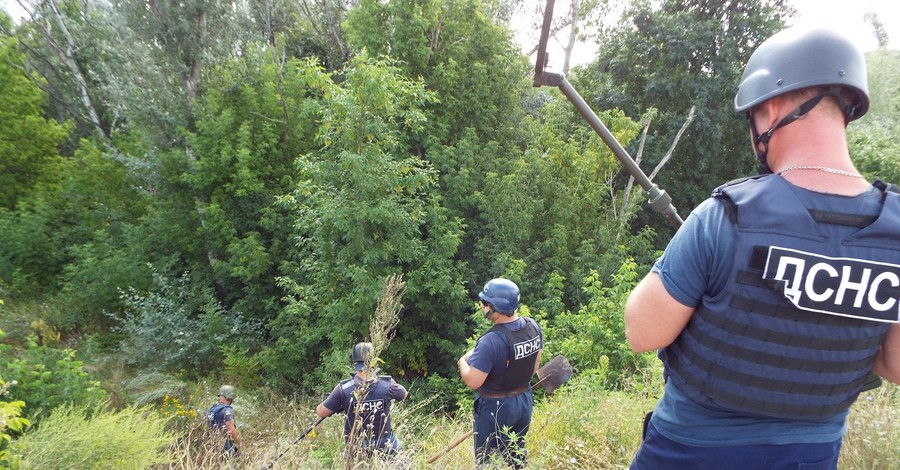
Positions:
{"x": 501, "y": 318}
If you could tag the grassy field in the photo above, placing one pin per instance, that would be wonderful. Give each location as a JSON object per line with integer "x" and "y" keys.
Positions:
{"x": 579, "y": 427}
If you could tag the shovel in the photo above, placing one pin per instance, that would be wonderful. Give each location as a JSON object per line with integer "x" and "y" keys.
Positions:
{"x": 551, "y": 376}
{"x": 554, "y": 374}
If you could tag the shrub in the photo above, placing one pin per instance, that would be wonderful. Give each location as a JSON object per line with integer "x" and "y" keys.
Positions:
{"x": 48, "y": 377}
{"x": 93, "y": 437}
{"x": 182, "y": 325}
{"x": 593, "y": 338}
{"x": 11, "y": 422}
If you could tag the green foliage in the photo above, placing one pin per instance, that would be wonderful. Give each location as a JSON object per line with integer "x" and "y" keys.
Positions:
{"x": 94, "y": 437}
{"x": 181, "y": 324}
{"x": 593, "y": 338}
{"x": 28, "y": 141}
{"x": 242, "y": 369}
{"x": 79, "y": 230}
{"x": 365, "y": 209}
{"x": 470, "y": 62}
{"x": 48, "y": 377}
{"x": 875, "y": 140}
{"x": 11, "y": 422}
{"x": 29, "y": 257}
{"x": 555, "y": 215}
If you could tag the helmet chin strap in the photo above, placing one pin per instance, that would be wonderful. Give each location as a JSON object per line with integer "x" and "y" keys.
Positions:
{"x": 761, "y": 141}
{"x": 489, "y": 312}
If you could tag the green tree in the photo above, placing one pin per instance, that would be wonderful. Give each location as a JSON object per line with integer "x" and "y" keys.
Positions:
{"x": 463, "y": 51}
{"x": 672, "y": 56}
{"x": 258, "y": 115}
{"x": 366, "y": 209}
{"x": 29, "y": 142}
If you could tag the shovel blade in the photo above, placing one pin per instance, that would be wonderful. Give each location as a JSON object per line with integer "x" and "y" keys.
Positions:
{"x": 554, "y": 373}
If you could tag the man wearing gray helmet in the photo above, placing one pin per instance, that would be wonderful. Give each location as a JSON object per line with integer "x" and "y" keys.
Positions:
{"x": 366, "y": 398}
{"x": 220, "y": 418}
{"x": 778, "y": 297}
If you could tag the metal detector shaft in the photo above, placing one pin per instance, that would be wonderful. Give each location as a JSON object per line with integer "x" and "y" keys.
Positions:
{"x": 298, "y": 439}
{"x": 658, "y": 199}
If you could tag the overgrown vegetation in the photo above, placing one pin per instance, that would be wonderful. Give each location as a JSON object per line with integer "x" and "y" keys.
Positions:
{"x": 216, "y": 191}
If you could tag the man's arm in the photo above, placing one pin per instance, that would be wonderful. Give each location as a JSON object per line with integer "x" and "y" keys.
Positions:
{"x": 231, "y": 429}
{"x": 398, "y": 392}
{"x": 653, "y": 318}
{"x": 887, "y": 362}
{"x": 472, "y": 377}
{"x": 333, "y": 401}
{"x": 322, "y": 411}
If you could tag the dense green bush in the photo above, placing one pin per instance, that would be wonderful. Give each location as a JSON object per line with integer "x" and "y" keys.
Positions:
{"x": 92, "y": 437}
{"x": 181, "y": 325}
{"x": 48, "y": 377}
{"x": 11, "y": 422}
{"x": 593, "y": 338}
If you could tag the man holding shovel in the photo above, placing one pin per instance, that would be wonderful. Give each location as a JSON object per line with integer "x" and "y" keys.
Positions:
{"x": 500, "y": 368}
{"x": 365, "y": 397}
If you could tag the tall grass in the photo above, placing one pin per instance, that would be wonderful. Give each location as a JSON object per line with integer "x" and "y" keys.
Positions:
{"x": 581, "y": 426}
{"x": 74, "y": 437}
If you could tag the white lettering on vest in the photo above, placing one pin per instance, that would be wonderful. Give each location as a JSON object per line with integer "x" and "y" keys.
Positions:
{"x": 527, "y": 348}
{"x": 848, "y": 287}
{"x": 371, "y": 406}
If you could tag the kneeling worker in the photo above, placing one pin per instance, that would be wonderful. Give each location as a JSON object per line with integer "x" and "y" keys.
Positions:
{"x": 373, "y": 432}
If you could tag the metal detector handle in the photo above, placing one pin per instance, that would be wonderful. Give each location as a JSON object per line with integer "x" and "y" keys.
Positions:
{"x": 658, "y": 199}
{"x": 300, "y": 437}
{"x": 542, "y": 56}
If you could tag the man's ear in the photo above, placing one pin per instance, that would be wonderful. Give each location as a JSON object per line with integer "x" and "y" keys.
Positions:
{"x": 767, "y": 114}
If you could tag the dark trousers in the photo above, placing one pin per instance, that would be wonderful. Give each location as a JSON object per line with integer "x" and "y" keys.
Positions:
{"x": 500, "y": 428}
{"x": 658, "y": 452}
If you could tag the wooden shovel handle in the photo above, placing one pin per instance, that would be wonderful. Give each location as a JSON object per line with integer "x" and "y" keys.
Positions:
{"x": 452, "y": 445}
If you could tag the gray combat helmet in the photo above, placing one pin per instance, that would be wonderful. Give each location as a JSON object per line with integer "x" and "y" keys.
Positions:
{"x": 798, "y": 58}
{"x": 361, "y": 354}
{"x": 227, "y": 391}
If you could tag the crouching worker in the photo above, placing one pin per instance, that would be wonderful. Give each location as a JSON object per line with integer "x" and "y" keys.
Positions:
{"x": 221, "y": 422}
{"x": 365, "y": 397}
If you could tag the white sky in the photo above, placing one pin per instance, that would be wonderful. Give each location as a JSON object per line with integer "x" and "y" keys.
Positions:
{"x": 843, "y": 15}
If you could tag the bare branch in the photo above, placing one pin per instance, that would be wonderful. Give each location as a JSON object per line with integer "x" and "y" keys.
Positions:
{"x": 687, "y": 122}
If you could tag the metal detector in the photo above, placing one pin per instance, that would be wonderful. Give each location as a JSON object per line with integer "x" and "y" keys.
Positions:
{"x": 298, "y": 439}
{"x": 657, "y": 198}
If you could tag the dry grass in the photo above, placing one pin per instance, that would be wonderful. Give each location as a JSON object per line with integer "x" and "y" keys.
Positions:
{"x": 580, "y": 427}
